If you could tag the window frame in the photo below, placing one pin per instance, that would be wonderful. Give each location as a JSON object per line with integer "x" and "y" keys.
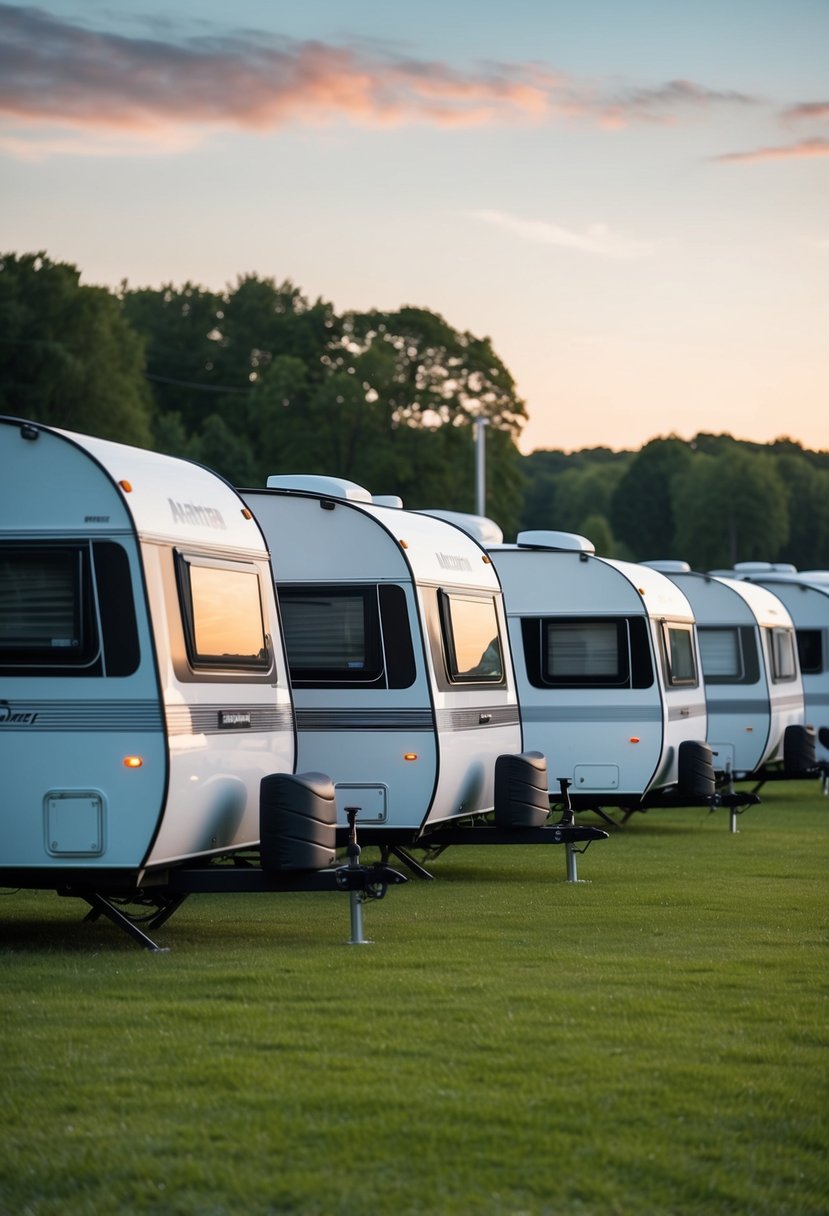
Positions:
{"x": 672, "y": 680}
{"x": 773, "y": 633}
{"x": 446, "y": 597}
{"x": 200, "y": 662}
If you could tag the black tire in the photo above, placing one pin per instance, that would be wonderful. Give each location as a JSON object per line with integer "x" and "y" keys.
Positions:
{"x": 521, "y": 797}
{"x": 799, "y": 754}
{"x": 695, "y": 769}
{"x": 297, "y": 821}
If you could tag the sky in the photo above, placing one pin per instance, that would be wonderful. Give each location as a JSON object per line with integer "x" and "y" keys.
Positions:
{"x": 630, "y": 198}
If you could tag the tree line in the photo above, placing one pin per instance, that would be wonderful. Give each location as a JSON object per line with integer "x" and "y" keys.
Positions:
{"x": 259, "y": 379}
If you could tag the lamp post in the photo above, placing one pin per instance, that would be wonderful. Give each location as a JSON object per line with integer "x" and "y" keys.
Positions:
{"x": 480, "y": 465}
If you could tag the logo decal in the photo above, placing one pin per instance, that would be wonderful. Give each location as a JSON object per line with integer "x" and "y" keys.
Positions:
{"x": 192, "y": 513}
{"x": 15, "y": 717}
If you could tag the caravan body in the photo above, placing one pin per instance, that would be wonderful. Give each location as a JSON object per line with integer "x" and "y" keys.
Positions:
{"x": 396, "y": 640}
{"x": 606, "y": 663}
{"x": 144, "y": 686}
{"x": 750, "y": 668}
{"x": 805, "y": 595}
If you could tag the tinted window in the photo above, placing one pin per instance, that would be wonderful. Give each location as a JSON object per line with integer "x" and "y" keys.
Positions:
{"x": 680, "y": 665}
{"x": 728, "y": 654}
{"x": 222, "y": 610}
{"x": 472, "y": 638}
{"x": 47, "y": 610}
{"x": 587, "y": 652}
{"x": 782, "y": 653}
{"x": 810, "y": 650}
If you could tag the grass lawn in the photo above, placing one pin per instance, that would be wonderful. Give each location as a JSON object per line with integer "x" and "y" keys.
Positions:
{"x": 652, "y": 1040}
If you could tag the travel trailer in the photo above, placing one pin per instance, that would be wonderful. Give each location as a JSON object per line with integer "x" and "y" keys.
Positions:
{"x": 399, "y": 658}
{"x": 145, "y": 694}
{"x": 805, "y": 594}
{"x": 751, "y": 673}
{"x": 608, "y": 673}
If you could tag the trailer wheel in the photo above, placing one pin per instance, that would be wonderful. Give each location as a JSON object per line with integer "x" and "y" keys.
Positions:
{"x": 799, "y": 754}
{"x": 521, "y": 796}
{"x": 297, "y": 821}
{"x": 695, "y": 769}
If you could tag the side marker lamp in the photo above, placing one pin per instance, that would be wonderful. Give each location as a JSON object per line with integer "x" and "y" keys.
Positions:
{"x": 410, "y": 755}
{"x": 133, "y": 761}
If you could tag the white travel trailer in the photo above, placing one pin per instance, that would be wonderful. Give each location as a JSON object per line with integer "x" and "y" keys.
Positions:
{"x": 805, "y": 594}
{"x": 144, "y": 693}
{"x": 750, "y": 669}
{"x": 396, "y": 639}
{"x": 608, "y": 673}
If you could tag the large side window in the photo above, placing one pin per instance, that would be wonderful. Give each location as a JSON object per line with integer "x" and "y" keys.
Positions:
{"x": 782, "y": 654}
{"x": 222, "y": 612}
{"x": 354, "y": 636}
{"x": 680, "y": 663}
{"x": 728, "y": 654}
{"x": 587, "y": 652}
{"x": 67, "y": 609}
{"x": 472, "y": 638}
{"x": 47, "y": 610}
{"x": 810, "y": 651}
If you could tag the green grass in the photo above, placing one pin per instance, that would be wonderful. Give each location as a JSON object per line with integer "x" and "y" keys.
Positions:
{"x": 652, "y": 1040}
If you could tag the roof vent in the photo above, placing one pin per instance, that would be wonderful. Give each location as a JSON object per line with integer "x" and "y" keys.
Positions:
{"x": 566, "y": 542}
{"x": 387, "y": 500}
{"x": 668, "y": 565}
{"x": 311, "y": 483}
{"x": 484, "y": 531}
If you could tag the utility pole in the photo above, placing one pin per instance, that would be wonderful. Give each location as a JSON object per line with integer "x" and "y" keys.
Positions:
{"x": 480, "y": 465}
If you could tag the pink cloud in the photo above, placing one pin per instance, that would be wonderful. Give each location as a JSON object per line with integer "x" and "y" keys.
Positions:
{"x": 805, "y": 149}
{"x": 807, "y": 109}
{"x": 165, "y": 92}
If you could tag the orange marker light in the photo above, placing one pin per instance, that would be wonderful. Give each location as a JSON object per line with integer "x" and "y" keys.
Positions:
{"x": 133, "y": 761}
{"x": 410, "y": 755}
{"x": 126, "y": 486}
{"x": 247, "y": 513}
{"x": 634, "y": 739}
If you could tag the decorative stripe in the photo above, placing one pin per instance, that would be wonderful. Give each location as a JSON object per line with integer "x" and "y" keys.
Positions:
{"x": 482, "y": 717}
{"x": 687, "y": 711}
{"x": 81, "y": 715}
{"x": 227, "y": 719}
{"x": 593, "y": 713}
{"x": 360, "y": 720}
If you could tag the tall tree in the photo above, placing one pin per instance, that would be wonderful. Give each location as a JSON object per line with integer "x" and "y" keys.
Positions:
{"x": 807, "y": 495}
{"x": 642, "y": 512}
{"x": 729, "y": 508}
{"x": 67, "y": 355}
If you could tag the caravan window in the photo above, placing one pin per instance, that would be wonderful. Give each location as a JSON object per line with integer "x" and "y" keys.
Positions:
{"x": 347, "y": 636}
{"x": 810, "y": 651}
{"x": 46, "y": 606}
{"x": 59, "y": 603}
{"x": 728, "y": 654}
{"x": 472, "y": 638}
{"x": 222, "y": 612}
{"x": 680, "y": 663}
{"x": 782, "y": 654}
{"x": 587, "y": 652}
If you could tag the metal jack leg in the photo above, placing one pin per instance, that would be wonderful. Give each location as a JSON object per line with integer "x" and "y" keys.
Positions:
{"x": 567, "y": 820}
{"x": 356, "y": 897}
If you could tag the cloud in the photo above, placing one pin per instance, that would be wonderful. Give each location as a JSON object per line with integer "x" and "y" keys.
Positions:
{"x": 805, "y": 149}
{"x": 807, "y": 109}
{"x": 595, "y": 239}
{"x": 664, "y": 103}
{"x": 162, "y": 90}
{"x": 60, "y": 74}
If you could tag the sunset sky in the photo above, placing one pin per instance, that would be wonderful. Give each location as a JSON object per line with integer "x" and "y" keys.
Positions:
{"x": 629, "y": 197}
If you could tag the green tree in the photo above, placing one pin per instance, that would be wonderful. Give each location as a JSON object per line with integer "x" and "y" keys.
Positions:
{"x": 807, "y": 496}
{"x": 642, "y": 509}
{"x": 68, "y": 357}
{"x": 729, "y": 508}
